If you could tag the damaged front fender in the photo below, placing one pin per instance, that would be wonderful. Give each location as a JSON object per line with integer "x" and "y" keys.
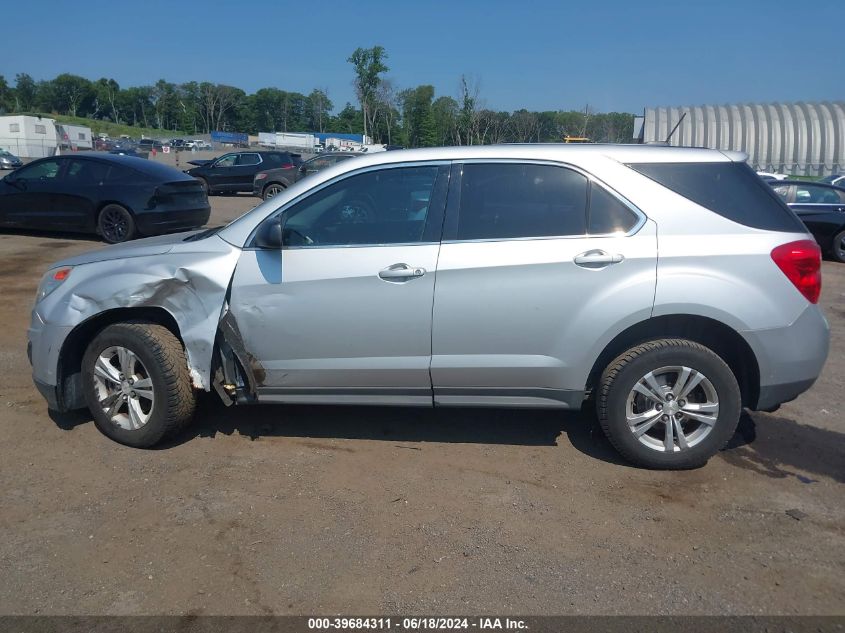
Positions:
{"x": 189, "y": 280}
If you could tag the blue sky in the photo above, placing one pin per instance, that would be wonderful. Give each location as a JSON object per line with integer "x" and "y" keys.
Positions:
{"x": 538, "y": 54}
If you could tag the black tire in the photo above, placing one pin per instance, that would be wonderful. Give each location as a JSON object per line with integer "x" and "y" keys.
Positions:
{"x": 205, "y": 186}
{"x": 837, "y": 251}
{"x": 625, "y": 371}
{"x": 162, "y": 360}
{"x": 271, "y": 190}
{"x": 115, "y": 224}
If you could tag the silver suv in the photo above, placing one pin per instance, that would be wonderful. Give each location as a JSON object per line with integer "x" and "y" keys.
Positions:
{"x": 669, "y": 287}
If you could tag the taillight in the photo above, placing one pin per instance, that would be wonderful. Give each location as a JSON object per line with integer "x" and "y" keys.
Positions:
{"x": 288, "y": 166}
{"x": 801, "y": 262}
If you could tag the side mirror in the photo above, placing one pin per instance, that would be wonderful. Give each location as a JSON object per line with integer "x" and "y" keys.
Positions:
{"x": 302, "y": 169}
{"x": 269, "y": 235}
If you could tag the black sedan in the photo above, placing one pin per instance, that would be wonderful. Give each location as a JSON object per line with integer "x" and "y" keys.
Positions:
{"x": 116, "y": 197}
{"x": 235, "y": 172}
{"x": 271, "y": 182}
{"x": 822, "y": 209}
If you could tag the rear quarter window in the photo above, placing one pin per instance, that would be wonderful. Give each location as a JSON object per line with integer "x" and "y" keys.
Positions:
{"x": 732, "y": 190}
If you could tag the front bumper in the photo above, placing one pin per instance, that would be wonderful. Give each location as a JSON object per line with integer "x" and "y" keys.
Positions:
{"x": 44, "y": 343}
{"x": 50, "y": 394}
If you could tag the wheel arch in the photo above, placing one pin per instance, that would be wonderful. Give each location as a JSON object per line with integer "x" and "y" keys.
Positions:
{"x": 120, "y": 203}
{"x": 726, "y": 342}
{"x": 69, "y": 370}
{"x": 281, "y": 183}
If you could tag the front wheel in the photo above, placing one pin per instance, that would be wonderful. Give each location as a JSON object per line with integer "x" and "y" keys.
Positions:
{"x": 136, "y": 383}
{"x": 115, "y": 224}
{"x": 668, "y": 404}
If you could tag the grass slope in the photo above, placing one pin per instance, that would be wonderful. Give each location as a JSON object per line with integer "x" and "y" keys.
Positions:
{"x": 114, "y": 130}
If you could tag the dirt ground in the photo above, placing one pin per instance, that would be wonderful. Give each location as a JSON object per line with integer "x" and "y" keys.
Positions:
{"x": 295, "y": 510}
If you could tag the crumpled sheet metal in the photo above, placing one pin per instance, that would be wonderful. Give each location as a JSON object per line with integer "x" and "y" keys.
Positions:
{"x": 190, "y": 286}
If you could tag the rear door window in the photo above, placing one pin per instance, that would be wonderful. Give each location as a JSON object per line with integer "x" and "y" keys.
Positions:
{"x": 87, "y": 172}
{"x": 816, "y": 194}
{"x": 509, "y": 201}
{"x": 732, "y": 190}
{"x": 248, "y": 159}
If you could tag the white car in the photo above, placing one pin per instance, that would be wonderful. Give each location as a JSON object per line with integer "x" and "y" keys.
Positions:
{"x": 767, "y": 175}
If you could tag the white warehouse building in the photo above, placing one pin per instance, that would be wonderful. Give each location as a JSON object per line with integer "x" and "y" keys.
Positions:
{"x": 802, "y": 138}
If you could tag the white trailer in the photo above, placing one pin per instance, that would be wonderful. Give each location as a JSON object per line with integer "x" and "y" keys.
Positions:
{"x": 291, "y": 139}
{"x": 29, "y": 136}
{"x": 267, "y": 139}
{"x": 74, "y": 137}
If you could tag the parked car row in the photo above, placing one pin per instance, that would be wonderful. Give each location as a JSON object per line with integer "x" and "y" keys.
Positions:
{"x": 272, "y": 182}
{"x": 264, "y": 173}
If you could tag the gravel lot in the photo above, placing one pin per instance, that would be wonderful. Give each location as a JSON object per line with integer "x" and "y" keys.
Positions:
{"x": 295, "y": 510}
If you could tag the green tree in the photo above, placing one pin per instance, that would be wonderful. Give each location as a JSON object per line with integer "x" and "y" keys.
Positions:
{"x": 6, "y": 97}
{"x": 350, "y": 120}
{"x": 73, "y": 94}
{"x": 319, "y": 110}
{"x": 25, "y": 92}
{"x": 369, "y": 65}
{"x": 446, "y": 118}
{"x": 417, "y": 113}
{"x": 107, "y": 92}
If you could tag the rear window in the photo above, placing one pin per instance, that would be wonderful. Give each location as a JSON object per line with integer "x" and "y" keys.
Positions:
{"x": 732, "y": 190}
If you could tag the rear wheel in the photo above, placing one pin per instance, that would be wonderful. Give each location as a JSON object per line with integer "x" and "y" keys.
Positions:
{"x": 838, "y": 250}
{"x": 271, "y": 190}
{"x": 136, "y": 383}
{"x": 668, "y": 404}
{"x": 115, "y": 224}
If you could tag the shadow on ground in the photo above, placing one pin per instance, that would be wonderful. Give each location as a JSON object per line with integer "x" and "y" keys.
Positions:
{"x": 778, "y": 447}
{"x": 766, "y": 444}
{"x": 58, "y": 235}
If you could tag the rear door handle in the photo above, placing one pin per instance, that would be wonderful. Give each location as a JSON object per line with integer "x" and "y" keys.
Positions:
{"x": 401, "y": 272}
{"x": 596, "y": 259}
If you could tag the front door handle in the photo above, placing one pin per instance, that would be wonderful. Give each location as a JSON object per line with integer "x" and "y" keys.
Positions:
{"x": 596, "y": 259}
{"x": 401, "y": 272}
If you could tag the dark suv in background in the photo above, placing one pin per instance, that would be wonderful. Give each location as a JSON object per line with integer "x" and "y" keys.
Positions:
{"x": 272, "y": 182}
{"x": 236, "y": 171}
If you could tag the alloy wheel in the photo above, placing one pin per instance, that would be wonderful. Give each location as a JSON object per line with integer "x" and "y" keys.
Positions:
{"x": 123, "y": 387}
{"x": 672, "y": 408}
{"x": 114, "y": 225}
{"x": 273, "y": 190}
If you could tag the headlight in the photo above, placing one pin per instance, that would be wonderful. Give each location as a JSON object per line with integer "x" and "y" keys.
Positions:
{"x": 52, "y": 280}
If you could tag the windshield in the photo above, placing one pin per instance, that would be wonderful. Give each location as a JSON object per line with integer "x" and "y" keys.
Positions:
{"x": 4, "y": 153}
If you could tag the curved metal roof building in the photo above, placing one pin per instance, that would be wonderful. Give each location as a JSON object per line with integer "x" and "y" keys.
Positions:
{"x": 795, "y": 138}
